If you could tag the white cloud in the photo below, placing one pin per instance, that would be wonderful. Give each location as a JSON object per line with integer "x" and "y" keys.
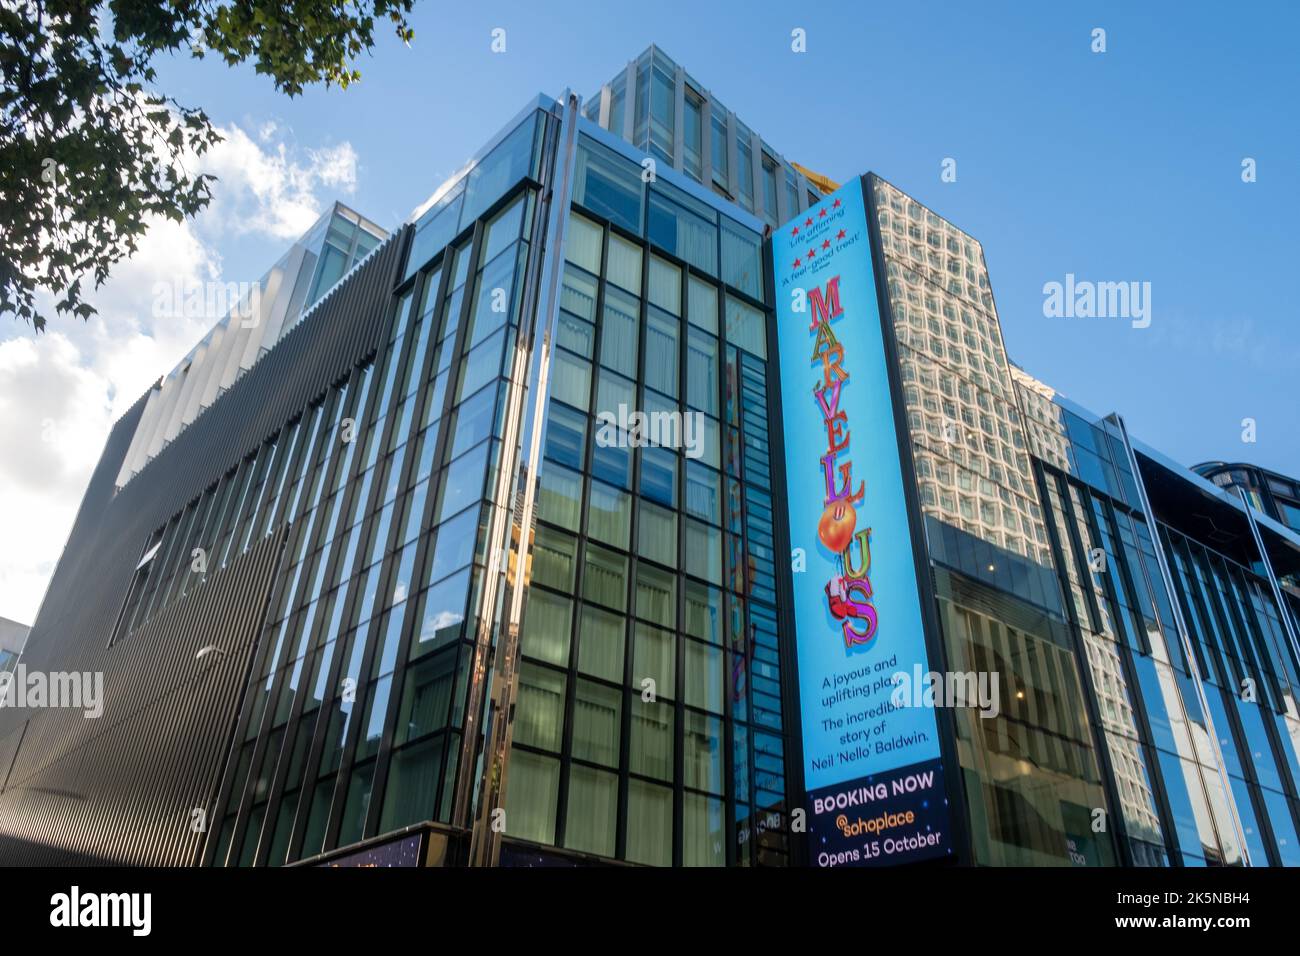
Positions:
{"x": 273, "y": 191}
{"x": 60, "y": 392}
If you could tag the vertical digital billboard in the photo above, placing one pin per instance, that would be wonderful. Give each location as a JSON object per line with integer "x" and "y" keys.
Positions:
{"x": 872, "y": 768}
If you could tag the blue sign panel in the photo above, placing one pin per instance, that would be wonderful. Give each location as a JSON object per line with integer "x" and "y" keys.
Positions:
{"x": 871, "y": 765}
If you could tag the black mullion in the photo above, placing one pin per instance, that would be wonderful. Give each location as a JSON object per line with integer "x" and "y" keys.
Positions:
{"x": 1237, "y": 728}
{"x": 423, "y": 542}
{"x": 1082, "y": 566}
{"x": 581, "y": 540}
{"x": 237, "y": 740}
{"x": 347, "y": 763}
{"x": 1101, "y": 742}
{"x": 239, "y": 834}
{"x": 438, "y": 472}
{"x": 679, "y": 648}
{"x": 315, "y": 645}
{"x": 1246, "y": 637}
{"x": 720, "y": 398}
{"x": 1190, "y": 603}
{"x": 282, "y": 674}
{"x": 1229, "y": 663}
{"x": 320, "y": 732}
{"x": 629, "y": 628}
{"x": 1126, "y": 652}
{"x": 1259, "y": 640}
{"x": 742, "y": 534}
{"x": 298, "y": 427}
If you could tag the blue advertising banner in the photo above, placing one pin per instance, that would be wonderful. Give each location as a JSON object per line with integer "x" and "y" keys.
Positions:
{"x": 871, "y": 765}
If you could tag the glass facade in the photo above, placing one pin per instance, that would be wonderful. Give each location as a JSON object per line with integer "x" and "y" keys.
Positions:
{"x": 1196, "y": 686}
{"x": 352, "y": 721}
{"x": 649, "y": 721}
{"x": 712, "y": 147}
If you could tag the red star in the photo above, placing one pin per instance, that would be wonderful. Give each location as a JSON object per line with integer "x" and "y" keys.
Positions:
{"x": 840, "y": 234}
{"x": 796, "y": 263}
{"x": 811, "y": 253}
{"x": 835, "y": 204}
{"x": 826, "y": 244}
{"x": 822, "y": 214}
{"x": 809, "y": 221}
{"x": 794, "y": 231}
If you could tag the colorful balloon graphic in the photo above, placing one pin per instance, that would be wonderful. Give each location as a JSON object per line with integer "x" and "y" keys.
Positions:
{"x": 837, "y": 525}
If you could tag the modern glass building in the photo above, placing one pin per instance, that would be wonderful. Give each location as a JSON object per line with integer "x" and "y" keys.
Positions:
{"x": 477, "y": 550}
{"x": 1276, "y": 495}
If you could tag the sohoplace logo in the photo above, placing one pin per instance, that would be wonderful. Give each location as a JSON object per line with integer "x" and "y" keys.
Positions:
{"x": 848, "y": 592}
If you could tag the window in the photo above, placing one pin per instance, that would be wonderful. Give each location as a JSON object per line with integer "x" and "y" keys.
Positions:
{"x": 609, "y": 515}
{"x": 702, "y": 303}
{"x": 546, "y": 627}
{"x": 436, "y": 228}
{"x": 509, "y": 162}
{"x": 746, "y": 327}
{"x": 661, "y": 351}
{"x": 661, "y": 115}
{"x": 745, "y": 168}
{"x": 652, "y": 738}
{"x": 136, "y": 591}
{"x": 532, "y": 796}
{"x": 769, "y": 190}
{"x": 604, "y": 577}
{"x": 657, "y": 534}
{"x": 618, "y": 346}
{"x": 582, "y": 243}
{"x": 702, "y": 371}
{"x": 719, "y": 149}
{"x": 539, "y": 720}
{"x": 608, "y": 185}
{"x": 596, "y": 719}
{"x": 664, "y": 286}
{"x": 692, "y": 136}
{"x": 656, "y": 596}
{"x": 678, "y": 224}
{"x": 559, "y": 497}
{"x": 624, "y": 266}
{"x": 742, "y": 265}
{"x": 600, "y": 644}
{"x": 593, "y": 811}
{"x": 649, "y": 823}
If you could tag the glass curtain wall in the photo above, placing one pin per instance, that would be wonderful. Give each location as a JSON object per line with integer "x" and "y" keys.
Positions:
{"x": 648, "y": 719}
{"x": 351, "y": 725}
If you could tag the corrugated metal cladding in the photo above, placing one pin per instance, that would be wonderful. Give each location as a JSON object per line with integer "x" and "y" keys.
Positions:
{"x": 122, "y": 788}
{"x": 90, "y": 582}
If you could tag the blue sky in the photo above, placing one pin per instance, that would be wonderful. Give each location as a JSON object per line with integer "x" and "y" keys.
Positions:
{"x": 1122, "y": 166}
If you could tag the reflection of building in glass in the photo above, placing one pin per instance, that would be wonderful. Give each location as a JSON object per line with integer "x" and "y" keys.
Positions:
{"x": 1205, "y": 681}
{"x": 971, "y": 455}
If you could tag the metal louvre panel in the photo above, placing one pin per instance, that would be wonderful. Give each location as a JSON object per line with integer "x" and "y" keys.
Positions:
{"x": 91, "y": 580}
{"x": 85, "y": 791}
